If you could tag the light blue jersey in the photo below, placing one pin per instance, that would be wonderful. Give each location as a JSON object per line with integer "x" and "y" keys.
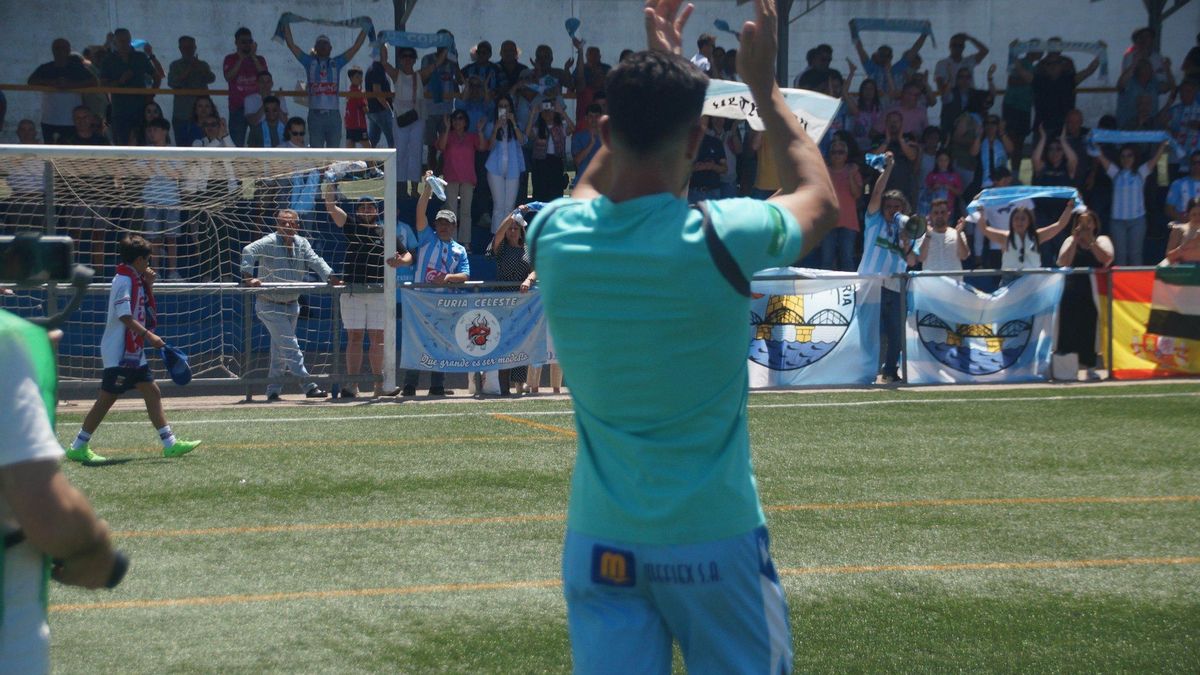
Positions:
{"x": 654, "y": 342}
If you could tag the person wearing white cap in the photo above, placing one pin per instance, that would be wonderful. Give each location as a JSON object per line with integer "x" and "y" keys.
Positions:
{"x": 324, "y": 80}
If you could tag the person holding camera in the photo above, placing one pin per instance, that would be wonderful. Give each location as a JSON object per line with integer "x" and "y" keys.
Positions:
{"x": 42, "y": 516}
{"x": 502, "y": 140}
{"x": 547, "y": 134}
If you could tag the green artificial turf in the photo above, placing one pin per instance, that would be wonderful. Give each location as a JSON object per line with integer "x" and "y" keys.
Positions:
{"x": 426, "y": 538}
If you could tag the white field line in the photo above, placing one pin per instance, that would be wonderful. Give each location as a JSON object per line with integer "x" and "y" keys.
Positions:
{"x": 323, "y": 419}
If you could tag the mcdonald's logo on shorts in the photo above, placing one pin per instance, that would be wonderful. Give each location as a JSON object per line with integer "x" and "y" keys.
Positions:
{"x": 613, "y": 567}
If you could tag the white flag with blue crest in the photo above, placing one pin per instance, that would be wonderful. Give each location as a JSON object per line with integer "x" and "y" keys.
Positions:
{"x": 820, "y": 330}
{"x": 959, "y": 334}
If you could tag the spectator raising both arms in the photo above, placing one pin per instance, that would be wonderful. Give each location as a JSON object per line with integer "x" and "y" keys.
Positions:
{"x": 324, "y": 81}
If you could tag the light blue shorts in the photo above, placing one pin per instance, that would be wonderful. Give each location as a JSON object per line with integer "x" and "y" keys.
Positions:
{"x": 720, "y": 600}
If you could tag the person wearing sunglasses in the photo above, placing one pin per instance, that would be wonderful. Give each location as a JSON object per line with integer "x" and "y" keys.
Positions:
{"x": 296, "y": 133}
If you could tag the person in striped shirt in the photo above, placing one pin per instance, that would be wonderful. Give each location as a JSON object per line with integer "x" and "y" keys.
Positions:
{"x": 1128, "y": 224}
{"x": 885, "y": 247}
{"x": 439, "y": 260}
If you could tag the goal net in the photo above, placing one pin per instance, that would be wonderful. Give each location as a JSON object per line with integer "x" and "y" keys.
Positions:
{"x": 199, "y": 208}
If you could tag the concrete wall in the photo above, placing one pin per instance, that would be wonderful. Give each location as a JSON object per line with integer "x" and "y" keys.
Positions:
{"x": 26, "y": 29}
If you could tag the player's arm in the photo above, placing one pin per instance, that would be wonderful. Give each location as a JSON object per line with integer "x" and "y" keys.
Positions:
{"x": 806, "y": 190}
{"x": 58, "y": 521}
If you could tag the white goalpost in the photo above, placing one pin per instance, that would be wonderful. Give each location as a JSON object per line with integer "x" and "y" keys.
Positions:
{"x": 199, "y": 207}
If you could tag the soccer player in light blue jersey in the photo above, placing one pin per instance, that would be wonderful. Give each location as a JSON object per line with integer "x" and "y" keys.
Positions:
{"x": 648, "y": 302}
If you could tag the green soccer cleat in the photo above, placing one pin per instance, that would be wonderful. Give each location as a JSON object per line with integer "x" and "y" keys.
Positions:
{"x": 180, "y": 448}
{"x": 84, "y": 455}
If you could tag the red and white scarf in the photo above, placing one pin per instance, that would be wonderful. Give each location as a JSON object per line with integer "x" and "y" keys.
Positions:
{"x": 142, "y": 308}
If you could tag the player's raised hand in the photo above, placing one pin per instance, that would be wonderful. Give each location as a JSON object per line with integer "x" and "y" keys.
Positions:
{"x": 759, "y": 47}
{"x": 664, "y": 25}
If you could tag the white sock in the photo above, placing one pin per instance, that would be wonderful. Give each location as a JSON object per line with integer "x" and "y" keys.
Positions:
{"x": 168, "y": 438}
{"x": 81, "y": 439}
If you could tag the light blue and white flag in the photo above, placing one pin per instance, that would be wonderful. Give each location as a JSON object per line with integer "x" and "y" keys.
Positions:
{"x": 457, "y": 331}
{"x": 1002, "y": 196}
{"x": 1121, "y": 137}
{"x": 362, "y": 23}
{"x": 822, "y": 330}
{"x": 920, "y": 26}
{"x": 1017, "y": 48}
{"x": 957, "y": 334}
{"x": 726, "y": 98}
{"x": 400, "y": 38}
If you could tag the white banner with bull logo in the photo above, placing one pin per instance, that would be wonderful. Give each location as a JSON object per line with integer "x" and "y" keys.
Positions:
{"x": 464, "y": 331}
{"x": 957, "y": 334}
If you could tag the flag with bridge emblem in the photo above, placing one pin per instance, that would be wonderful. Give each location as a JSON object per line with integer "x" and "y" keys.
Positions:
{"x": 819, "y": 330}
{"x": 957, "y": 334}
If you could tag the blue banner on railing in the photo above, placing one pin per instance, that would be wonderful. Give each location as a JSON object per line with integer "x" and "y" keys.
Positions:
{"x": 957, "y": 334}
{"x": 456, "y": 331}
{"x": 816, "y": 331}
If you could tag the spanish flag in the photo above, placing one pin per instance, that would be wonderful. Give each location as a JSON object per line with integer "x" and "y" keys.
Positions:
{"x": 1155, "y": 321}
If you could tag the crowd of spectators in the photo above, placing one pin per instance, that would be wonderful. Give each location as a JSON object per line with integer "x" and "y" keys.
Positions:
{"x": 503, "y": 133}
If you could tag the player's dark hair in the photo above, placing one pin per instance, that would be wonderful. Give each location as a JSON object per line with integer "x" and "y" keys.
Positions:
{"x": 133, "y": 247}
{"x": 654, "y": 98}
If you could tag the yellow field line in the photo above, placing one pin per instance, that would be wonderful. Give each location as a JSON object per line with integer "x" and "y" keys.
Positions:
{"x": 536, "y": 425}
{"x": 306, "y": 595}
{"x": 1019, "y": 501}
{"x": 971, "y": 567}
{"x": 323, "y": 527}
{"x": 551, "y": 518}
{"x": 555, "y": 583}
